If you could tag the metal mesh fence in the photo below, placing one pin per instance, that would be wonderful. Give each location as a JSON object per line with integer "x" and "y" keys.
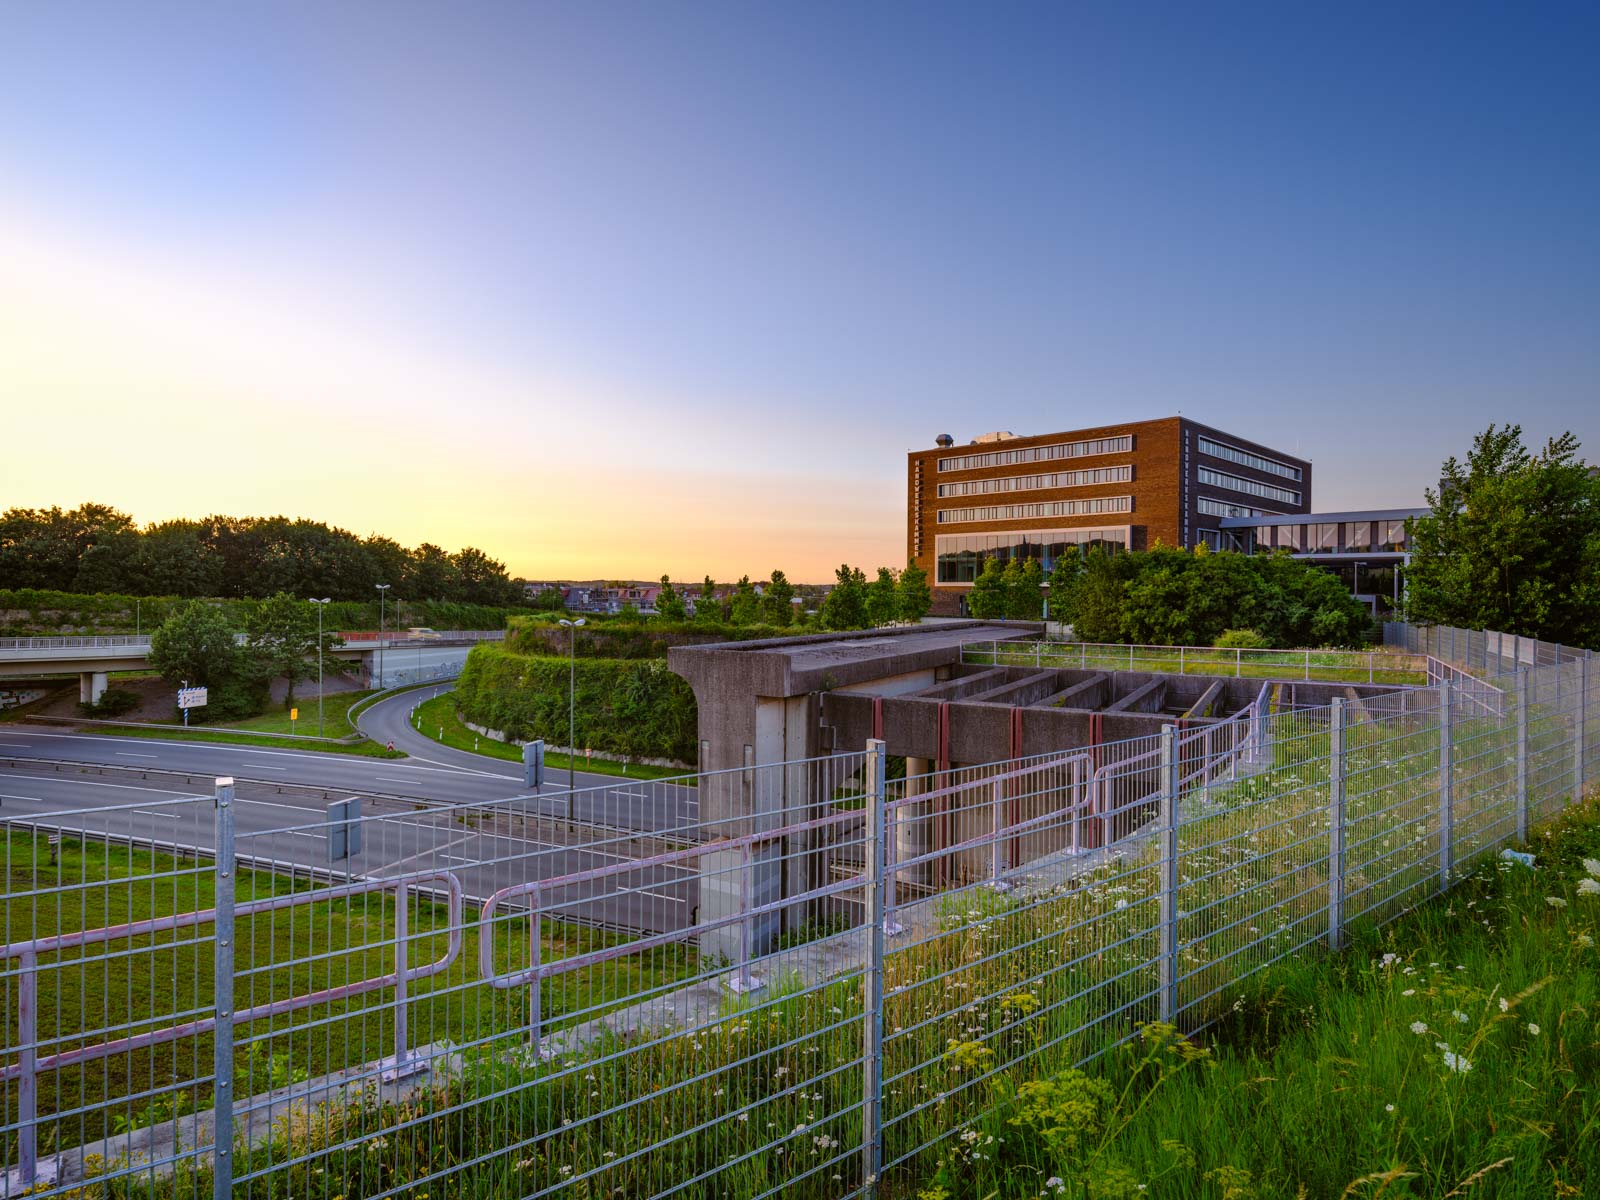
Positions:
{"x": 783, "y": 979}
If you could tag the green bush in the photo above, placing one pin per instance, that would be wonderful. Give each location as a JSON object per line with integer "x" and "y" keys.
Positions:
{"x": 112, "y": 703}
{"x": 1241, "y": 639}
{"x": 632, "y": 707}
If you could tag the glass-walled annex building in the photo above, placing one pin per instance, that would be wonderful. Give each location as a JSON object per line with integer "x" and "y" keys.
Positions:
{"x": 1365, "y": 550}
{"x": 961, "y": 556}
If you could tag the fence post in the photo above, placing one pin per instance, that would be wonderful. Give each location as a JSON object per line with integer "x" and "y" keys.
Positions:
{"x": 1579, "y": 749}
{"x": 1522, "y": 755}
{"x": 222, "y": 998}
{"x": 1169, "y": 873}
{"x": 1446, "y": 788}
{"x": 27, "y": 1079}
{"x": 872, "y": 973}
{"x": 1336, "y": 739}
{"x": 997, "y": 824}
{"x": 536, "y": 969}
{"x": 742, "y": 980}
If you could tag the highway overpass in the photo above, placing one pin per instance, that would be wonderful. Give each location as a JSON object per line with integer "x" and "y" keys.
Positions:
{"x": 382, "y": 657}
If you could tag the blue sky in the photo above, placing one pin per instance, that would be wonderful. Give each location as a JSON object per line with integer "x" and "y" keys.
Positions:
{"x": 627, "y": 288}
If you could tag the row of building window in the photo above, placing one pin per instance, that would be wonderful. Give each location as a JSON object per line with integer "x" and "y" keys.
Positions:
{"x": 1237, "y": 483}
{"x": 1247, "y": 459}
{"x": 1007, "y": 458}
{"x": 961, "y": 556}
{"x": 1336, "y": 537}
{"x": 1221, "y": 508}
{"x": 1032, "y": 483}
{"x": 1025, "y": 512}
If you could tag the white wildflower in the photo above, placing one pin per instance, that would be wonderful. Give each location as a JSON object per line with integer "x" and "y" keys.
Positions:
{"x": 1459, "y": 1015}
{"x": 1505, "y": 1005}
{"x": 1589, "y": 887}
{"x": 1533, "y": 1029}
{"x": 1419, "y": 1027}
{"x": 1592, "y": 865}
{"x": 1555, "y": 901}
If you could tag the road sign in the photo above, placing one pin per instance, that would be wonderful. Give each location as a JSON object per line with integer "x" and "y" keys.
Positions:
{"x": 294, "y": 714}
{"x": 192, "y": 697}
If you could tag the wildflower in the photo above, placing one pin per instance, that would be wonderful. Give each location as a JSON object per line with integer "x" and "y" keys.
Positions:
{"x": 1388, "y": 1108}
{"x": 1592, "y": 865}
{"x": 1555, "y": 901}
{"x": 1505, "y": 1005}
{"x": 1585, "y": 940}
{"x": 1459, "y": 1015}
{"x": 1589, "y": 887}
{"x": 1533, "y": 1029}
{"x": 1409, "y": 992}
{"x": 1388, "y": 960}
{"x": 1419, "y": 1027}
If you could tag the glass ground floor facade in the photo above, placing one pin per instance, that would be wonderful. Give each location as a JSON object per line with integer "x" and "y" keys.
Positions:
{"x": 961, "y": 556}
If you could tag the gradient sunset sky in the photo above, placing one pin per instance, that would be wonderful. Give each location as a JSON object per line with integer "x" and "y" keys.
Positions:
{"x": 617, "y": 289}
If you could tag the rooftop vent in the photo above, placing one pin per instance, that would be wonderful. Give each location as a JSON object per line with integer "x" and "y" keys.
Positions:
{"x": 999, "y": 435}
{"x": 944, "y": 440}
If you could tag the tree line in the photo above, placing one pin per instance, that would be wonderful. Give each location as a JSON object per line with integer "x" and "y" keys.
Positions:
{"x": 96, "y": 549}
{"x": 892, "y": 597}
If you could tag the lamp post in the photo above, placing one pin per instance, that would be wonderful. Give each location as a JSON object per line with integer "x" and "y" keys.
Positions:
{"x": 572, "y": 695}
{"x": 383, "y": 595}
{"x": 320, "y": 604}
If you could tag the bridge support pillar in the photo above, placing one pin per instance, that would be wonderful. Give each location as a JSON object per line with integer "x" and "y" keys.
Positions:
{"x": 91, "y": 686}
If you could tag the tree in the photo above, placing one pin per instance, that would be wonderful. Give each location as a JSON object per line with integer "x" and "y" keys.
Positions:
{"x": 882, "y": 599}
{"x": 987, "y": 599}
{"x": 481, "y": 579}
{"x": 281, "y": 640}
{"x": 912, "y": 595}
{"x": 845, "y": 606}
{"x": 196, "y": 646}
{"x": 1093, "y": 606}
{"x": 777, "y": 604}
{"x": 746, "y": 605}
{"x": 551, "y": 600}
{"x": 670, "y": 605}
{"x": 1064, "y": 575}
{"x": 1024, "y": 590}
{"x": 1511, "y": 542}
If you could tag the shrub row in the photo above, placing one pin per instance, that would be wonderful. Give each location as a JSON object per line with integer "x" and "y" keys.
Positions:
{"x": 632, "y": 707}
{"x": 32, "y": 612}
{"x": 629, "y": 639}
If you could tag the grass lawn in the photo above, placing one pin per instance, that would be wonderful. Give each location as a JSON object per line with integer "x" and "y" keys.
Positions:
{"x": 440, "y": 713}
{"x": 200, "y": 733}
{"x": 334, "y": 708}
{"x": 95, "y": 884}
{"x": 1452, "y": 1053}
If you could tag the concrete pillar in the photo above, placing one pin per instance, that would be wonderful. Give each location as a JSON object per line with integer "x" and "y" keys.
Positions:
{"x": 913, "y": 834}
{"x": 91, "y": 686}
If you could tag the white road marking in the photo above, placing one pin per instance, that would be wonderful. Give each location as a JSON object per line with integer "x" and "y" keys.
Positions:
{"x": 129, "y": 754}
{"x": 264, "y": 767}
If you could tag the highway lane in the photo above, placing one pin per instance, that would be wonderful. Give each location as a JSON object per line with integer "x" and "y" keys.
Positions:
{"x": 434, "y": 773}
{"x": 486, "y": 849}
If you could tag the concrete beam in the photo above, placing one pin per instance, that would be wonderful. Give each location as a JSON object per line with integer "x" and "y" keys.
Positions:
{"x": 1086, "y": 693}
{"x": 1208, "y": 700}
{"x": 1030, "y": 689}
{"x": 964, "y": 687}
{"x": 1142, "y": 699}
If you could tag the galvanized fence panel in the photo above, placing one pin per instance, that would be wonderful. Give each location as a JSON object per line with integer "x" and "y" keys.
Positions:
{"x": 781, "y": 979}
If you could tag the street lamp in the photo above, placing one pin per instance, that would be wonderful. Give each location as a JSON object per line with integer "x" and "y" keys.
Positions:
{"x": 320, "y": 604}
{"x": 572, "y": 695}
{"x": 383, "y": 595}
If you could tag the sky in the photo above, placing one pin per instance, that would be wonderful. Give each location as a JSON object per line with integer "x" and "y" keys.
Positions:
{"x": 619, "y": 289}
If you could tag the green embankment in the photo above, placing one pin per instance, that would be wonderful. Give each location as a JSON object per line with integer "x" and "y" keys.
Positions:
{"x": 633, "y": 708}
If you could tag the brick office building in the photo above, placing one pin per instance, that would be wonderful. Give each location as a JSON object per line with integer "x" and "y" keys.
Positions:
{"x": 1120, "y": 486}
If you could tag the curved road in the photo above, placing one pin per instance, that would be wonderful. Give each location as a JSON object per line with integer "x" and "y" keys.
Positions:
{"x": 628, "y": 803}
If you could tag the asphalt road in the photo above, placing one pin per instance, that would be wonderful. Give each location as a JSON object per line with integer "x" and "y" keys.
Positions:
{"x": 441, "y": 809}
{"x": 487, "y": 848}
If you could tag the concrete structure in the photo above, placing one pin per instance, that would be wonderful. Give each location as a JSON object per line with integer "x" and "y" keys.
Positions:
{"x": 1126, "y": 486}
{"x": 1364, "y": 549}
{"x": 812, "y": 703}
